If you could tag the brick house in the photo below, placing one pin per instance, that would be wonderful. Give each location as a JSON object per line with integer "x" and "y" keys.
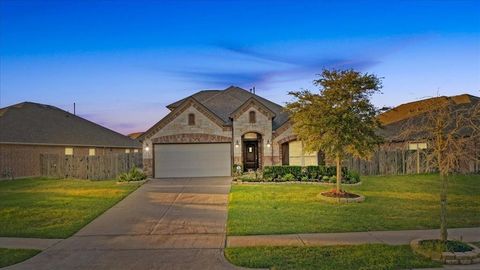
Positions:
{"x": 208, "y": 132}
{"x": 29, "y": 129}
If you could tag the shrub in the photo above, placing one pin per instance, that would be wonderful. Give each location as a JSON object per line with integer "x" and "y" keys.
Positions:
{"x": 323, "y": 173}
{"x": 332, "y": 179}
{"x": 289, "y": 177}
{"x": 134, "y": 174}
{"x": 353, "y": 177}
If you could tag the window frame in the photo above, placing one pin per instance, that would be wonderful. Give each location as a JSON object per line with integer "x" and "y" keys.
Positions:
{"x": 252, "y": 117}
{"x": 191, "y": 119}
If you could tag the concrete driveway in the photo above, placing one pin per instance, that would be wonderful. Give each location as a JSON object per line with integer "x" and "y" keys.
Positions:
{"x": 165, "y": 224}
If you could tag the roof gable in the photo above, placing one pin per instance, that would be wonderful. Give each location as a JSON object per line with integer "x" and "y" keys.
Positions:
{"x": 252, "y": 102}
{"x": 224, "y": 102}
{"x": 186, "y": 103}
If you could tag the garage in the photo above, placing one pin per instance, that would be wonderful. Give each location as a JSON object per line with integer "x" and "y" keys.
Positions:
{"x": 192, "y": 160}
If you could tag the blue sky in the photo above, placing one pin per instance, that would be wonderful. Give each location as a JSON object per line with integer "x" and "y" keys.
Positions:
{"x": 122, "y": 61}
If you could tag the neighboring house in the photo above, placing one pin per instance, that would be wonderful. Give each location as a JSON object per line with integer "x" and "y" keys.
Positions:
{"x": 29, "y": 129}
{"x": 406, "y": 148}
{"x": 412, "y": 114}
{"x": 208, "y": 132}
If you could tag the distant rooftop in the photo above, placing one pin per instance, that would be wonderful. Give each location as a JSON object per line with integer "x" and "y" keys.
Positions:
{"x": 34, "y": 123}
{"x": 410, "y": 109}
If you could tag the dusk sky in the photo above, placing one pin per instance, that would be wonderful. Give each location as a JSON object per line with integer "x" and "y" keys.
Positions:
{"x": 122, "y": 62}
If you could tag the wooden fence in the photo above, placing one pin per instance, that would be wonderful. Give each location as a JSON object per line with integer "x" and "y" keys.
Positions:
{"x": 400, "y": 161}
{"x": 88, "y": 167}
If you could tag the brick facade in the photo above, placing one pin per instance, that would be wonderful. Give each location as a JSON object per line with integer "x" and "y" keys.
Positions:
{"x": 174, "y": 128}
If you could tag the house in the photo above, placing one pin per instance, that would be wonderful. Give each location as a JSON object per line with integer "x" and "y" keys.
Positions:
{"x": 406, "y": 149}
{"x": 412, "y": 114}
{"x": 209, "y": 132}
{"x": 29, "y": 129}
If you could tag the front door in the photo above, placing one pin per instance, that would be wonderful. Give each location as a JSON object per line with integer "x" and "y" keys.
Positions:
{"x": 251, "y": 156}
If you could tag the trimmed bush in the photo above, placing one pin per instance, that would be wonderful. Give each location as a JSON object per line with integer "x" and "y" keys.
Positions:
{"x": 308, "y": 173}
{"x": 288, "y": 177}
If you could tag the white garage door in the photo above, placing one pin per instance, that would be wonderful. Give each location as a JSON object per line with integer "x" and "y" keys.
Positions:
{"x": 192, "y": 160}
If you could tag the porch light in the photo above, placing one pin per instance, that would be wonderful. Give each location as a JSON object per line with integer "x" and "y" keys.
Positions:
{"x": 236, "y": 144}
{"x": 147, "y": 148}
{"x": 268, "y": 143}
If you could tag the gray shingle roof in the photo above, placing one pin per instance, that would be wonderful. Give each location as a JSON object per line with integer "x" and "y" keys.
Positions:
{"x": 35, "y": 123}
{"x": 223, "y": 102}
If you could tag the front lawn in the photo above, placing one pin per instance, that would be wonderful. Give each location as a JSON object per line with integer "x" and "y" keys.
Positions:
{"x": 392, "y": 203}
{"x": 373, "y": 256}
{"x": 47, "y": 208}
{"x": 13, "y": 256}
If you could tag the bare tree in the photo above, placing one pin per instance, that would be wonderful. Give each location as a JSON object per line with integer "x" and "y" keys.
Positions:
{"x": 452, "y": 132}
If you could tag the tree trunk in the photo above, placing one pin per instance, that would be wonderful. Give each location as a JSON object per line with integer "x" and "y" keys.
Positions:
{"x": 443, "y": 208}
{"x": 339, "y": 172}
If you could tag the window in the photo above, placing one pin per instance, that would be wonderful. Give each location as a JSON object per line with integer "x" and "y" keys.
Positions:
{"x": 252, "y": 117}
{"x": 191, "y": 119}
{"x": 298, "y": 157}
{"x": 417, "y": 146}
{"x": 135, "y": 150}
{"x": 127, "y": 151}
{"x": 68, "y": 151}
{"x": 91, "y": 152}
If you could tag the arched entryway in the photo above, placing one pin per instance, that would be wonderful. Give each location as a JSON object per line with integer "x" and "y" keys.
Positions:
{"x": 252, "y": 151}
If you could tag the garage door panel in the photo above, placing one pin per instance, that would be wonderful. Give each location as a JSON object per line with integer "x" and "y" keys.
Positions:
{"x": 192, "y": 160}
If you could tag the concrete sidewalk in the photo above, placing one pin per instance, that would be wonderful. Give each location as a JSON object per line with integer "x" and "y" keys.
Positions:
{"x": 27, "y": 243}
{"x": 353, "y": 238}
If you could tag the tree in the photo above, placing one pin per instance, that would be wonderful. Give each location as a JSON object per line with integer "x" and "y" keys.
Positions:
{"x": 452, "y": 133}
{"x": 340, "y": 119}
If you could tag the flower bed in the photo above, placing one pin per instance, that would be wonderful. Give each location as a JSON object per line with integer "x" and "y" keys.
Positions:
{"x": 451, "y": 252}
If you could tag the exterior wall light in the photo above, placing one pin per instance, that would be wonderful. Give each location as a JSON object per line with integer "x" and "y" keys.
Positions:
{"x": 236, "y": 144}
{"x": 147, "y": 148}
{"x": 268, "y": 143}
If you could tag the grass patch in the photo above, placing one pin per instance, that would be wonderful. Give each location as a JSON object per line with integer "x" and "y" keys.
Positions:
{"x": 439, "y": 246}
{"x": 373, "y": 256}
{"x": 52, "y": 208}
{"x": 13, "y": 256}
{"x": 392, "y": 203}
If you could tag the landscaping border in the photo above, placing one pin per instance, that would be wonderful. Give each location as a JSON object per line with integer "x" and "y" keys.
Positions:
{"x": 358, "y": 199}
{"x": 453, "y": 258}
{"x": 237, "y": 182}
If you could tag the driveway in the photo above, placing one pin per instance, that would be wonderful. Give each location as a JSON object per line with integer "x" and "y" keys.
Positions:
{"x": 165, "y": 224}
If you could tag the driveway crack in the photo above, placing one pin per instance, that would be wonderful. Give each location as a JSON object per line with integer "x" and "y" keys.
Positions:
{"x": 168, "y": 210}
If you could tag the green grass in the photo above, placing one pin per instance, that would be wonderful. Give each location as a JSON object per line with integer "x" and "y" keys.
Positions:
{"x": 47, "y": 208}
{"x": 374, "y": 256}
{"x": 392, "y": 203}
{"x": 13, "y": 256}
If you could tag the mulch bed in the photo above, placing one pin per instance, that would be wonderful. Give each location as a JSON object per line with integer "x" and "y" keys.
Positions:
{"x": 341, "y": 194}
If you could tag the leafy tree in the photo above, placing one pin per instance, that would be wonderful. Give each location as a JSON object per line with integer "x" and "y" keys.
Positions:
{"x": 340, "y": 119}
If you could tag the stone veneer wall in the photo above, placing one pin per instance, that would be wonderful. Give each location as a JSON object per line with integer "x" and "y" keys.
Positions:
{"x": 282, "y": 135}
{"x": 263, "y": 126}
